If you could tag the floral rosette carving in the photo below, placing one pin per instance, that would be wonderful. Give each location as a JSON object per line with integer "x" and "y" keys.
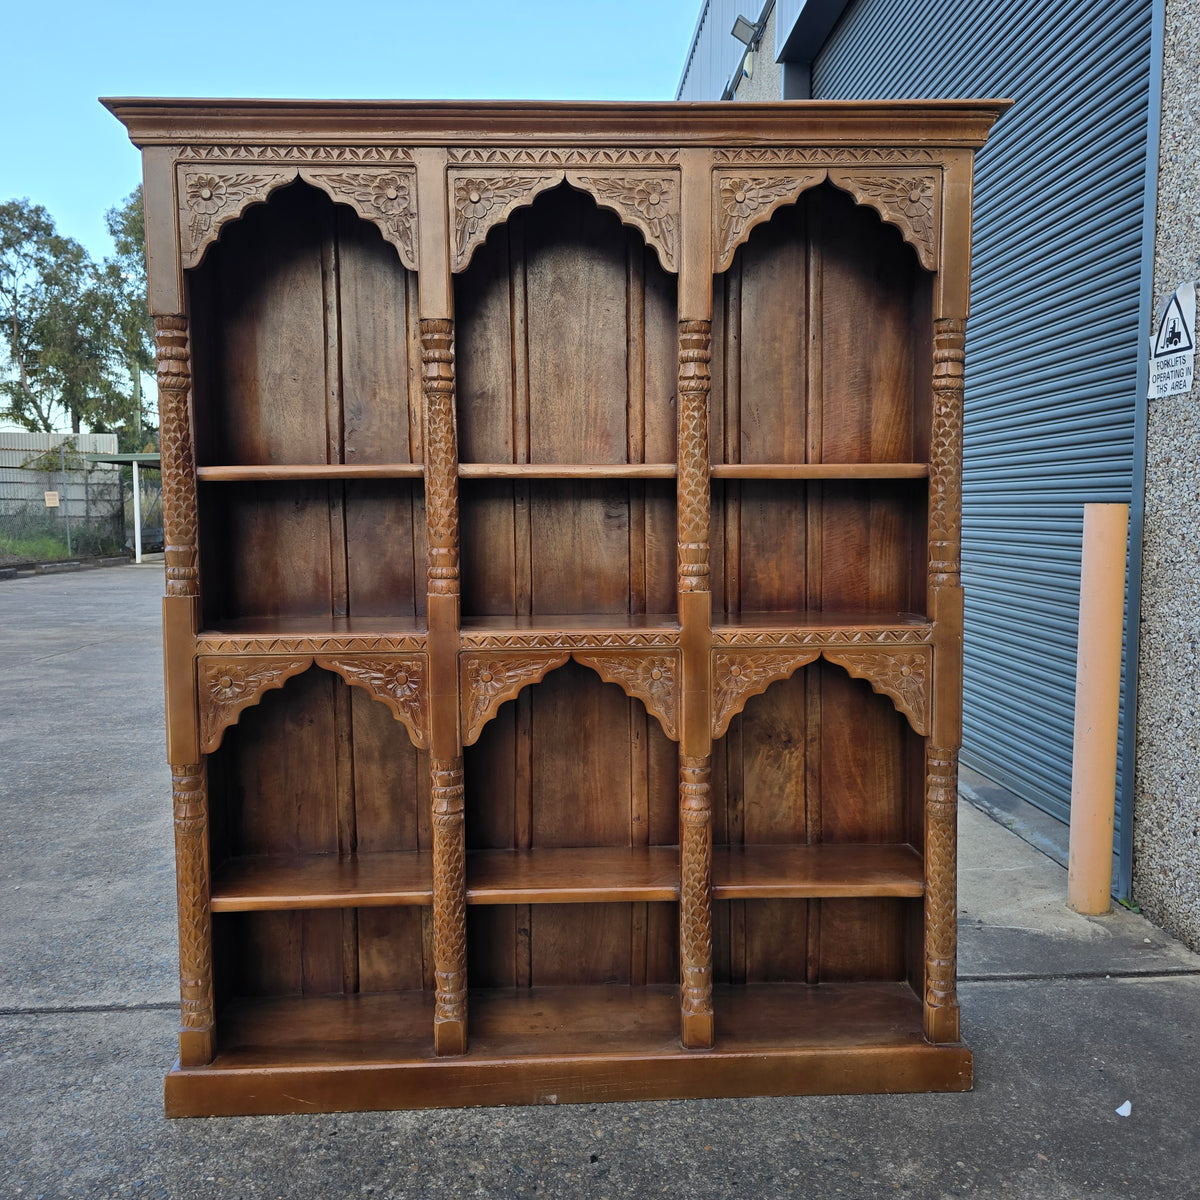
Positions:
{"x": 902, "y": 677}
{"x": 489, "y": 680}
{"x": 385, "y": 198}
{"x": 481, "y": 201}
{"x": 651, "y": 678}
{"x": 650, "y": 202}
{"x": 743, "y": 201}
{"x": 228, "y": 686}
{"x": 210, "y": 198}
{"x": 397, "y": 683}
{"x": 907, "y": 201}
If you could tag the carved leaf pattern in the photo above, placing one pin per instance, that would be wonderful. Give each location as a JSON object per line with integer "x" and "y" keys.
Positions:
{"x": 386, "y": 198}
{"x": 945, "y": 466}
{"x": 299, "y": 644}
{"x": 903, "y": 677}
{"x": 695, "y": 903}
{"x": 478, "y": 639}
{"x": 651, "y": 202}
{"x": 482, "y": 201}
{"x": 910, "y": 635}
{"x": 695, "y": 351}
{"x": 906, "y": 201}
{"x": 562, "y": 156}
{"x": 180, "y": 520}
{"x": 489, "y": 680}
{"x": 743, "y": 201}
{"x": 741, "y": 674}
{"x": 229, "y": 685}
{"x": 209, "y": 198}
{"x": 449, "y": 893}
{"x": 441, "y": 454}
{"x": 784, "y": 156}
{"x": 651, "y": 678}
{"x": 397, "y": 682}
{"x": 195, "y": 920}
{"x": 941, "y": 899}
{"x": 297, "y": 153}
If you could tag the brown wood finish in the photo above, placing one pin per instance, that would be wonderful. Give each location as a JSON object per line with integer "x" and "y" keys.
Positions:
{"x": 563, "y": 601}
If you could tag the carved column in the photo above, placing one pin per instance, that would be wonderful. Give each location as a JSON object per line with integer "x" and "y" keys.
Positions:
{"x": 196, "y": 1035}
{"x": 945, "y": 465}
{"x": 178, "y": 459}
{"x": 695, "y": 339}
{"x": 449, "y": 908}
{"x": 695, "y": 949}
{"x": 695, "y": 615}
{"x": 941, "y": 895}
{"x": 441, "y": 454}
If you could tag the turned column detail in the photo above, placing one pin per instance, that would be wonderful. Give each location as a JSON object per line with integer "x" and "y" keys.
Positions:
{"x": 441, "y": 454}
{"x": 695, "y": 339}
{"x": 941, "y": 894}
{"x": 195, "y": 919}
{"x": 178, "y": 458}
{"x": 945, "y": 465}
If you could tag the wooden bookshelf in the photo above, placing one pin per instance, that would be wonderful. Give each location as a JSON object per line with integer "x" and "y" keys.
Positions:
{"x": 563, "y": 619}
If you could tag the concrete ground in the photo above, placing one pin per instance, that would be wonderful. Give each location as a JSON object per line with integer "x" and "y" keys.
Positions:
{"x": 1069, "y": 1017}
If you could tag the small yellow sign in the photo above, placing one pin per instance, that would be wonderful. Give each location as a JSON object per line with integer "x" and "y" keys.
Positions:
{"x": 51, "y": 499}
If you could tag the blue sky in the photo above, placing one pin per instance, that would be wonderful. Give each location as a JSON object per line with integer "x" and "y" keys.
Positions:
{"x": 62, "y": 150}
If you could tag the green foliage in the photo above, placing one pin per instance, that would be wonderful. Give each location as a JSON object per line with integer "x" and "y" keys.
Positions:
{"x": 76, "y": 336}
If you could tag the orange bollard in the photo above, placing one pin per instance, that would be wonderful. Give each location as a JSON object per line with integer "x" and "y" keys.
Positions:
{"x": 1097, "y": 705}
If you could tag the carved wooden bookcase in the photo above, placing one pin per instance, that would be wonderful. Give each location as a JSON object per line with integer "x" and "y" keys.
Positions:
{"x": 563, "y": 621}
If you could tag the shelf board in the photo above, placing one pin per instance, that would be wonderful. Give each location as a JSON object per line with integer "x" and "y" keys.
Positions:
{"x": 560, "y": 1045}
{"x": 373, "y": 632}
{"x": 268, "y": 472}
{"x": 258, "y": 883}
{"x": 806, "y": 620}
{"x": 590, "y": 630}
{"x": 586, "y": 875}
{"x": 825, "y": 871}
{"x": 566, "y": 470}
{"x": 846, "y": 471}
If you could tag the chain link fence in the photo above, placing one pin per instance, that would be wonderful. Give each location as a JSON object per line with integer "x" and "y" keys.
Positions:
{"x": 56, "y": 505}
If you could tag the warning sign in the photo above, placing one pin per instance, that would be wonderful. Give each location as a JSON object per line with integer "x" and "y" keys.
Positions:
{"x": 1173, "y": 347}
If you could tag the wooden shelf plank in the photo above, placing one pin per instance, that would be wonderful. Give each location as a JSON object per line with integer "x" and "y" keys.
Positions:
{"x": 258, "y": 883}
{"x": 846, "y": 471}
{"x": 377, "y": 632}
{"x": 272, "y": 472}
{"x": 819, "y": 619}
{"x": 566, "y": 470}
{"x": 783, "y": 872}
{"x": 584, "y": 875}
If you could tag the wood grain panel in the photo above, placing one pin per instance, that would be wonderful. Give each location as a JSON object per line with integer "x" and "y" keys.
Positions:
{"x": 375, "y": 329}
{"x": 869, "y": 278}
{"x": 265, "y": 382}
{"x": 265, "y": 551}
{"x": 864, "y": 762}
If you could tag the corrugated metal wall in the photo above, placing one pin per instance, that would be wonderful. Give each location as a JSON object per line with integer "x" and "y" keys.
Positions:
{"x": 714, "y": 52}
{"x": 1053, "y": 341}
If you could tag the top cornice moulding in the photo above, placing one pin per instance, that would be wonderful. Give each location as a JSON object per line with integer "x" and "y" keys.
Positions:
{"x": 935, "y": 123}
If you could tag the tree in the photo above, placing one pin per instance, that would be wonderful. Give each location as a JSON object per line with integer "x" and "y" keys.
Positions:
{"x": 123, "y": 282}
{"x": 76, "y": 337}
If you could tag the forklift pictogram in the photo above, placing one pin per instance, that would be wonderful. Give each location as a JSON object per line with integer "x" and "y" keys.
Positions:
{"x": 1174, "y": 337}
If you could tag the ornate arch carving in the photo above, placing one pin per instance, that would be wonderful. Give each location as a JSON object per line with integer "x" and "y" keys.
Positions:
{"x": 648, "y": 200}
{"x": 398, "y": 681}
{"x": 902, "y": 676}
{"x": 742, "y": 200}
{"x": 910, "y": 200}
{"x": 211, "y": 195}
{"x": 228, "y": 686}
{"x": 490, "y": 679}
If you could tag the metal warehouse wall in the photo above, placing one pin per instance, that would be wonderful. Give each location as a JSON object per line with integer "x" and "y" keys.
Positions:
{"x": 714, "y": 53}
{"x": 1053, "y": 341}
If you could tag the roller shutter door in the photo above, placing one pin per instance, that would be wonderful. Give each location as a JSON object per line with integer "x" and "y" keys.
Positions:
{"x": 1053, "y": 341}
